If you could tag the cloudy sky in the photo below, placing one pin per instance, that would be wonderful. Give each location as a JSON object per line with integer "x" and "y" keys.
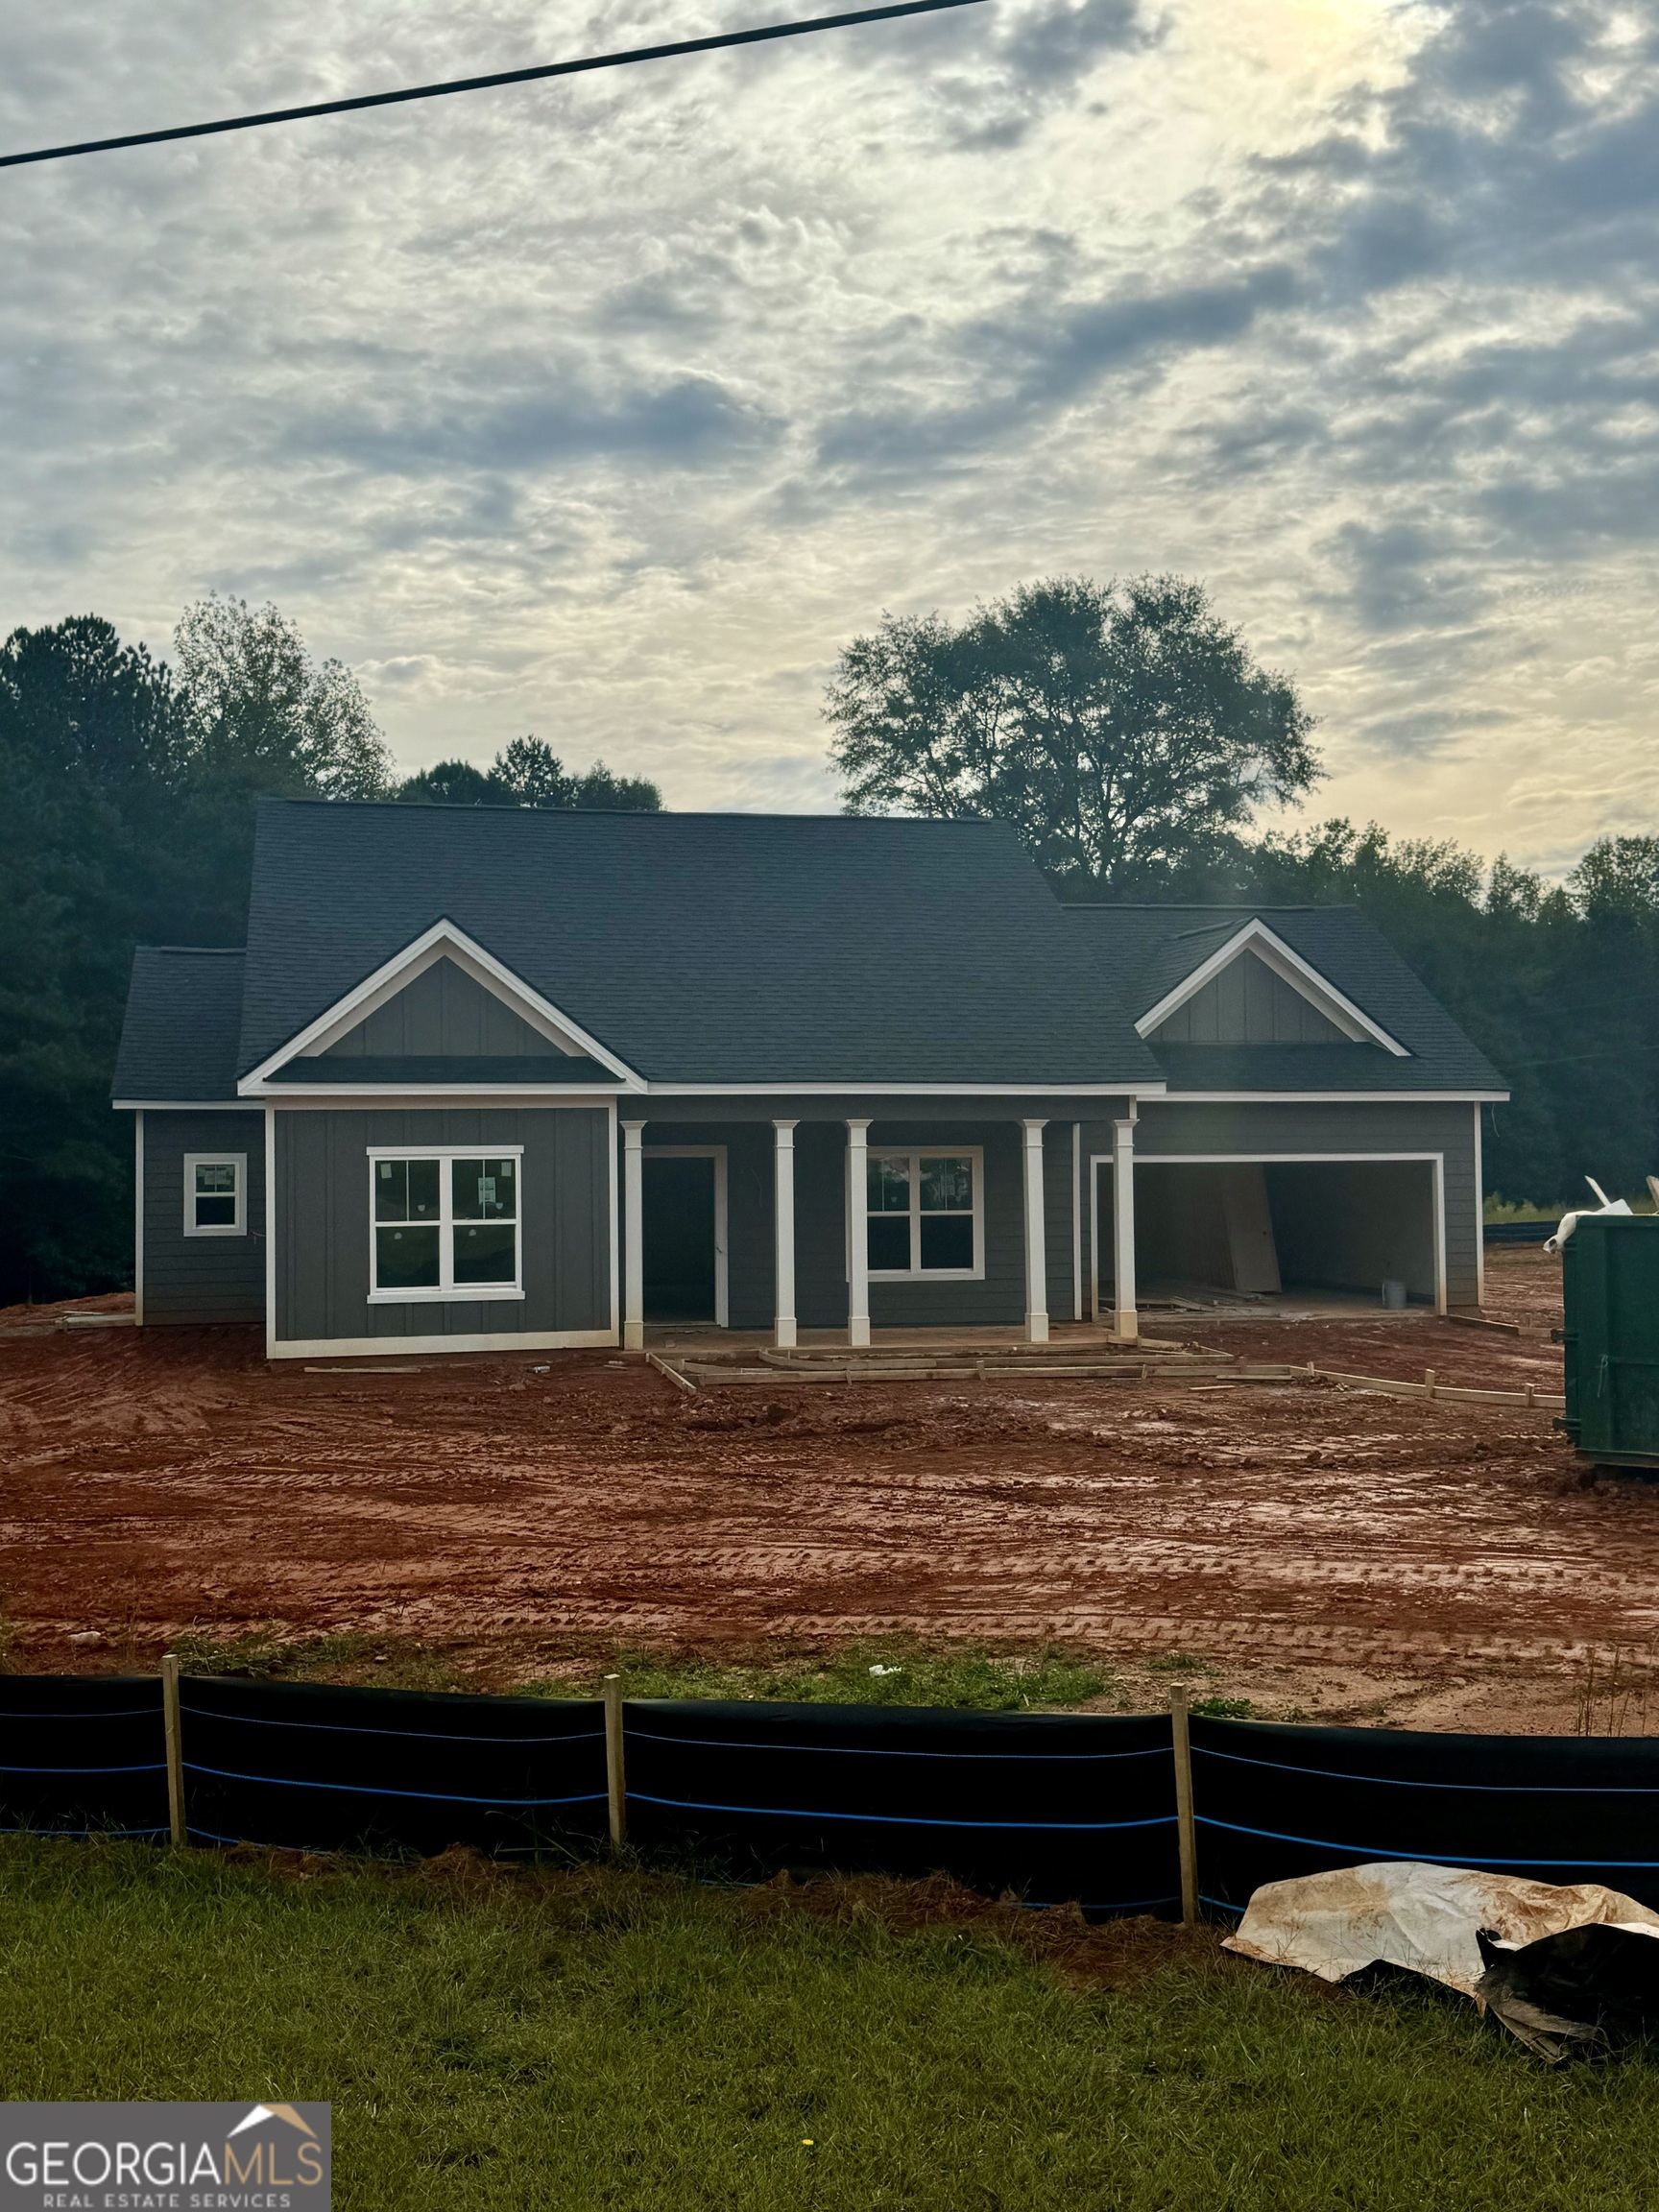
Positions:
{"x": 610, "y": 410}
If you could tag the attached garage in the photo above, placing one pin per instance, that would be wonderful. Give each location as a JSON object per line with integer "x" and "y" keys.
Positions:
{"x": 1269, "y": 1225}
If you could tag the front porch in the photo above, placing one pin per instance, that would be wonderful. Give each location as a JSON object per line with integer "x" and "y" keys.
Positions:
{"x": 914, "y": 1225}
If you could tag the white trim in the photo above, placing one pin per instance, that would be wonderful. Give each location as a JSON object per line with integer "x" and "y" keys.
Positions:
{"x": 269, "y": 1232}
{"x": 1480, "y": 1218}
{"x": 434, "y": 1097}
{"x": 856, "y": 1089}
{"x": 1125, "y": 1315}
{"x": 185, "y": 1105}
{"x": 615, "y": 1229}
{"x": 1290, "y": 968}
{"x": 916, "y": 1154}
{"x": 237, "y": 1225}
{"x": 1434, "y": 1160}
{"x": 716, "y": 1153}
{"x": 442, "y": 940}
{"x": 1333, "y": 1098}
{"x": 857, "y": 1214}
{"x": 1036, "y": 1242}
{"x": 447, "y": 1291}
{"x": 353, "y": 1093}
{"x": 379, "y": 1347}
{"x": 138, "y": 1219}
{"x": 1075, "y": 1221}
{"x": 784, "y": 1233}
{"x": 633, "y": 1239}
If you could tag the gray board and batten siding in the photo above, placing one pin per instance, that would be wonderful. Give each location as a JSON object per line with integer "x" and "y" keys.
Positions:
{"x": 193, "y": 1281}
{"x": 323, "y": 1228}
{"x": 444, "y": 1012}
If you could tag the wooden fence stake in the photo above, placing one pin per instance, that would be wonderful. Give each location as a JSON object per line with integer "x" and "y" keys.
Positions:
{"x": 173, "y": 1731}
{"x": 615, "y": 1780}
{"x": 1185, "y": 1828}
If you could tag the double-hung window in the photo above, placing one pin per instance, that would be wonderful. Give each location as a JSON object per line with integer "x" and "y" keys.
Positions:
{"x": 215, "y": 1193}
{"x": 926, "y": 1215}
{"x": 445, "y": 1224}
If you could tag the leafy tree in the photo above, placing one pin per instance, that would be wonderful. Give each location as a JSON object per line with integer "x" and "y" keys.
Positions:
{"x": 1122, "y": 728}
{"x": 262, "y": 716}
{"x": 529, "y": 773}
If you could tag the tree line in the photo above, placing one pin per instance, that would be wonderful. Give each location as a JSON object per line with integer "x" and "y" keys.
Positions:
{"x": 130, "y": 785}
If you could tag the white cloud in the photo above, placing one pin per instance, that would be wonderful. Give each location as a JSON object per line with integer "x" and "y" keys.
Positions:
{"x": 612, "y": 409}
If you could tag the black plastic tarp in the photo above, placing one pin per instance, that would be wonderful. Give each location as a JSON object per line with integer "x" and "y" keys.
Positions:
{"x": 82, "y": 1753}
{"x": 316, "y": 1768}
{"x": 1051, "y": 1806}
{"x": 1273, "y": 1801}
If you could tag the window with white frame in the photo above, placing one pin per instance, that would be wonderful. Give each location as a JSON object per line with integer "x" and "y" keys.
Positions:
{"x": 925, "y": 1213}
{"x": 444, "y": 1223}
{"x": 215, "y": 1193}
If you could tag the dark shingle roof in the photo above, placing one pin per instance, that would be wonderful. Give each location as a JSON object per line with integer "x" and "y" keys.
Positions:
{"x": 703, "y": 947}
{"x": 183, "y": 1013}
{"x": 1150, "y": 949}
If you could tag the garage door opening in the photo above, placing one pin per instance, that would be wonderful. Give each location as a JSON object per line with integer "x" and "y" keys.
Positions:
{"x": 1262, "y": 1229}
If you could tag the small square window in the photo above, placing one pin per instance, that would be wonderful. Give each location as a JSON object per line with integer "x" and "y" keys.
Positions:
{"x": 215, "y": 1193}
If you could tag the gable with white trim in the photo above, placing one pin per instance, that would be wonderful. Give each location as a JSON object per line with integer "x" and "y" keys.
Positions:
{"x": 477, "y": 974}
{"x": 1248, "y": 1004}
{"x": 444, "y": 1010}
{"x": 1256, "y": 990}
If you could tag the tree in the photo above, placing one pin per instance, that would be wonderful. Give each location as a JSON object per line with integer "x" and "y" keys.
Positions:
{"x": 529, "y": 773}
{"x": 262, "y": 716}
{"x": 1124, "y": 730}
{"x": 128, "y": 817}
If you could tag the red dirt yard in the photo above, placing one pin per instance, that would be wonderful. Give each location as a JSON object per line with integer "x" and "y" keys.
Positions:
{"x": 1318, "y": 1549}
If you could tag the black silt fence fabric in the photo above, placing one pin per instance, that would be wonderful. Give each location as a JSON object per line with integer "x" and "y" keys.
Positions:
{"x": 317, "y": 1769}
{"x": 82, "y": 1754}
{"x": 1273, "y": 1802}
{"x": 1053, "y": 1807}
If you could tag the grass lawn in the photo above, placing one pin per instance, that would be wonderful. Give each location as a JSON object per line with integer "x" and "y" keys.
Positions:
{"x": 870, "y": 1670}
{"x": 611, "y": 2037}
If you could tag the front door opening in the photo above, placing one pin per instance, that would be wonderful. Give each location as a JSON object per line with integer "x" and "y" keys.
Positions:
{"x": 678, "y": 1223}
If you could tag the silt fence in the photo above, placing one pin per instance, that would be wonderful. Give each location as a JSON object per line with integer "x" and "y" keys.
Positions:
{"x": 1051, "y": 1808}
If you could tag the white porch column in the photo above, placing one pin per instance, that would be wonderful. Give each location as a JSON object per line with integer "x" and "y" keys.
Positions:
{"x": 1036, "y": 1247}
{"x": 1125, "y": 1324}
{"x": 858, "y": 1233}
{"x": 633, "y": 1238}
{"x": 783, "y": 1245}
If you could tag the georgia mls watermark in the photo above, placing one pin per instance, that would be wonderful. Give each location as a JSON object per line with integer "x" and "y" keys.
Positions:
{"x": 164, "y": 2158}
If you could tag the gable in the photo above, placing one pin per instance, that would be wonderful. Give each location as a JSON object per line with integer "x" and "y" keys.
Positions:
{"x": 1247, "y": 1004}
{"x": 442, "y": 1012}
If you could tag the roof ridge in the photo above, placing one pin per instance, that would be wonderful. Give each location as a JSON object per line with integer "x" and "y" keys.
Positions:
{"x": 215, "y": 952}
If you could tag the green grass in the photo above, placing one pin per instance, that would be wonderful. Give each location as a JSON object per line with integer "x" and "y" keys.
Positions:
{"x": 884, "y": 1670}
{"x": 881, "y": 1670}
{"x": 606, "y": 2038}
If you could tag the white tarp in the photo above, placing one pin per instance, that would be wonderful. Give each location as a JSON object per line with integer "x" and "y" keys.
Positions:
{"x": 1403, "y": 1913}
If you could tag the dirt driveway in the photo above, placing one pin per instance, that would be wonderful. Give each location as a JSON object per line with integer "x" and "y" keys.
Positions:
{"x": 1322, "y": 1549}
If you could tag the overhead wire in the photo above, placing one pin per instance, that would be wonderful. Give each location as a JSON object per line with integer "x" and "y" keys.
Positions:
{"x": 540, "y": 73}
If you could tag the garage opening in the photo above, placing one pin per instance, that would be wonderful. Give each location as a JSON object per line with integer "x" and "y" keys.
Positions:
{"x": 1264, "y": 1228}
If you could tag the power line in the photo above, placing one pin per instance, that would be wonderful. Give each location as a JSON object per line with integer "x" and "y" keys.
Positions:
{"x": 483, "y": 84}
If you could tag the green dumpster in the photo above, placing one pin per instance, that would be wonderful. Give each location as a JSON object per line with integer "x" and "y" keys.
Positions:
{"x": 1610, "y": 1283}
